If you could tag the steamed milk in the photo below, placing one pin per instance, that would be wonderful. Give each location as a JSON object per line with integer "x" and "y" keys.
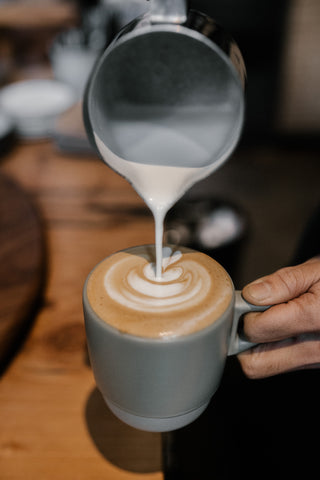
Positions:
{"x": 193, "y": 292}
{"x": 162, "y": 158}
{"x": 164, "y": 149}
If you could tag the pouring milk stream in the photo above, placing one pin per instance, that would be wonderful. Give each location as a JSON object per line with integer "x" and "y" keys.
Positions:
{"x": 165, "y": 107}
{"x": 165, "y": 162}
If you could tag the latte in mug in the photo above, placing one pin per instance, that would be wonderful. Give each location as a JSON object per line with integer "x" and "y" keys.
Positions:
{"x": 158, "y": 346}
{"x": 193, "y": 292}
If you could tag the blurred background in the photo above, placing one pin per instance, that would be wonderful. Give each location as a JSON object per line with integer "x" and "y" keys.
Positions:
{"x": 250, "y": 215}
{"x": 278, "y": 40}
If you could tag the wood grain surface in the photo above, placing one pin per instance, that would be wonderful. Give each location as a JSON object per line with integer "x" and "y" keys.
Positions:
{"x": 35, "y": 14}
{"x": 21, "y": 264}
{"x": 54, "y": 423}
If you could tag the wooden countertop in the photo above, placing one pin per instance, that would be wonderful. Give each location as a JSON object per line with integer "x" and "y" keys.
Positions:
{"x": 34, "y": 14}
{"x": 53, "y": 422}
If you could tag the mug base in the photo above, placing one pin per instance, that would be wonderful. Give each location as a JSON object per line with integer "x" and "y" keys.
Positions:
{"x": 155, "y": 424}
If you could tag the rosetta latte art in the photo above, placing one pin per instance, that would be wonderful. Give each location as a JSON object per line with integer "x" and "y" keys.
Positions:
{"x": 140, "y": 290}
{"x": 191, "y": 294}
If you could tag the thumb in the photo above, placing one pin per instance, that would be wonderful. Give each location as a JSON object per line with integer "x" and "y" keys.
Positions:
{"x": 283, "y": 285}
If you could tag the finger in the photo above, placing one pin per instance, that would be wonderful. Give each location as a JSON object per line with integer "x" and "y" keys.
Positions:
{"x": 283, "y": 285}
{"x": 285, "y": 320}
{"x": 271, "y": 359}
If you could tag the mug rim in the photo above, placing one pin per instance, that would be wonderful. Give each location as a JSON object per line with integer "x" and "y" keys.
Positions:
{"x": 154, "y": 340}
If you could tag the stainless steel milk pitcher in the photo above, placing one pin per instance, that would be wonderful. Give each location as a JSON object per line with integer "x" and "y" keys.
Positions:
{"x": 168, "y": 90}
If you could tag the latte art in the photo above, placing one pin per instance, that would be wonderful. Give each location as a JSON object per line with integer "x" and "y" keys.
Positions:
{"x": 193, "y": 291}
{"x": 140, "y": 290}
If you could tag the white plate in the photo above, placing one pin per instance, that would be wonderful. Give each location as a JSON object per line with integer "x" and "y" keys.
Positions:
{"x": 34, "y": 105}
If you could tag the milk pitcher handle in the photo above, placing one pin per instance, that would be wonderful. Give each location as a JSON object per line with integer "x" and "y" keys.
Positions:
{"x": 239, "y": 344}
{"x": 168, "y": 11}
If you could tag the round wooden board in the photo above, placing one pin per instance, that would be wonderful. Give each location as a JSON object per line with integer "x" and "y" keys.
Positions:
{"x": 21, "y": 264}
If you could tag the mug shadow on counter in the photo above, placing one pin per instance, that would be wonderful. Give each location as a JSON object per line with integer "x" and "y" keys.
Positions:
{"x": 126, "y": 447}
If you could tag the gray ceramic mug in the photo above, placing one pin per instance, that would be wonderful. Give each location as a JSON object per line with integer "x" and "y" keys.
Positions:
{"x": 161, "y": 385}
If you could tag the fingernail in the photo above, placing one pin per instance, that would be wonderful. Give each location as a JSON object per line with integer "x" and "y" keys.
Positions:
{"x": 258, "y": 290}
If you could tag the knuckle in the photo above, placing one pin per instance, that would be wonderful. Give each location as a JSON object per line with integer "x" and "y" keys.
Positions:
{"x": 260, "y": 327}
{"x": 307, "y": 311}
{"x": 316, "y": 351}
{"x": 308, "y": 350}
{"x": 291, "y": 278}
{"x": 250, "y": 365}
{"x": 252, "y": 327}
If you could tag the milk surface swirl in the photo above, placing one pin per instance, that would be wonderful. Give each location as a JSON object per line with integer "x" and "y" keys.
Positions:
{"x": 193, "y": 292}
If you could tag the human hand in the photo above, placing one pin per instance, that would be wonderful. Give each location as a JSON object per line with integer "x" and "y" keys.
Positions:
{"x": 288, "y": 333}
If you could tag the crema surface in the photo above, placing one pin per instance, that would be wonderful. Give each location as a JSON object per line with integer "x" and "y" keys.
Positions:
{"x": 193, "y": 292}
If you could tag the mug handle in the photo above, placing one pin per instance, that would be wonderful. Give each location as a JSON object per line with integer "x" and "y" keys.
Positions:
{"x": 239, "y": 344}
